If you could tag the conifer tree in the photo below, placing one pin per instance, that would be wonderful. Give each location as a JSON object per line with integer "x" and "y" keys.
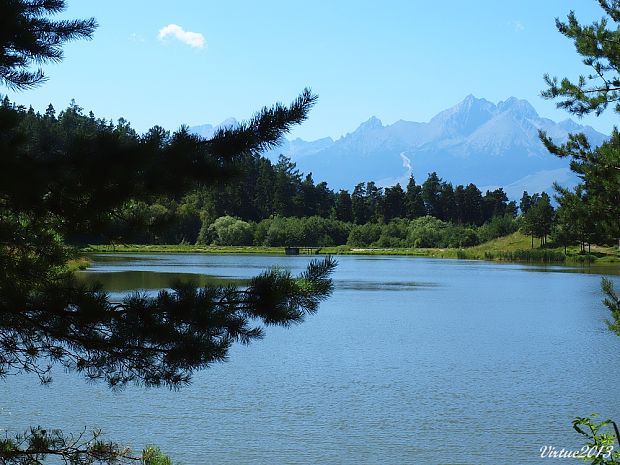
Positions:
{"x": 343, "y": 207}
{"x": 55, "y": 184}
{"x": 414, "y": 204}
{"x": 393, "y": 203}
{"x": 431, "y": 194}
{"x": 472, "y": 205}
{"x": 599, "y": 168}
{"x": 359, "y": 205}
{"x": 29, "y": 37}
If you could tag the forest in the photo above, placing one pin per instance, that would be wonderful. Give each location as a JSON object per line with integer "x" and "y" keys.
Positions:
{"x": 273, "y": 204}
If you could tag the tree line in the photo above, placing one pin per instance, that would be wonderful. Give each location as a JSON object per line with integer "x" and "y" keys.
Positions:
{"x": 261, "y": 192}
{"x": 259, "y": 199}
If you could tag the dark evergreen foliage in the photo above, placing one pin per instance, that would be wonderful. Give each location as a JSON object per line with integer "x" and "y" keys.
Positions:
{"x": 539, "y": 218}
{"x": 592, "y": 210}
{"x": 82, "y": 175}
{"x": 253, "y": 195}
{"x": 414, "y": 204}
{"x": 28, "y": 37}
{"x": 71, "y": 176}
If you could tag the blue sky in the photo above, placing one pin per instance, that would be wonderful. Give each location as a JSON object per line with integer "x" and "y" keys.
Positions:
{"x": 393, "y": 59}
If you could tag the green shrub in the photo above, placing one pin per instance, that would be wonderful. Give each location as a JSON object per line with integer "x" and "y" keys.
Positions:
{"x": 600, "y": 441}
{"x": 426, "y": 231}
{"x": 499, "y": 226}
{"x": 459, "y": 236}
{"x": 152, "y": 455}
{"x": 393, "y": 234}
{"x": 313, "y": 231}
{"x": 260, "y": 232}
{"x": 363, "y": 235}
{"x": 227, "y": 230}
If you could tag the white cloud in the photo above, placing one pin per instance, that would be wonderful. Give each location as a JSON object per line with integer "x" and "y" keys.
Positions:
{"x": 193, "y": 39}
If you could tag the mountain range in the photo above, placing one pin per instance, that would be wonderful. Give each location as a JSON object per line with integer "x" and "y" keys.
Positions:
{"x": 491, "y": 145}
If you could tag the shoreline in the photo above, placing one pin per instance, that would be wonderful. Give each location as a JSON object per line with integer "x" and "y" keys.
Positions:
{"x": 485, "y": 252}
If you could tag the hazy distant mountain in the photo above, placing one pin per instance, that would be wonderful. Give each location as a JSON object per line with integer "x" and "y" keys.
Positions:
{"x": 207, "y": 130}
{"x": 474, "y": 141}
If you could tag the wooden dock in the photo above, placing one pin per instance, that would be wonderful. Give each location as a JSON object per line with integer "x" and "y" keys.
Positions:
{"x": 302, "y": 250}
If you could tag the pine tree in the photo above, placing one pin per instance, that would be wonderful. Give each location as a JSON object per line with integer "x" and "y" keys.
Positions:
{"x": 494, "y": 203}
{"x": 373, "y": 201}
{"x": 472, "y": 205}
{"x": 29, "y": 37}
{"x": 599, "y": 168}
{"x": 265, "y": 180}
{"x": 309, "y": 205}
{"x": 76, "y": 184}
{"x": 595, "y": 203}
{"x": 287, "y": 196}
{"x": 431, "y": 194}
{"x": 343, "y": 210}
{"x": 414, "y": 204}
{"x": 539, "y": 218}
{"x": 393, "y": 203}
{"x": 447, "y": 203}
{"x": 525, "y": 203}
{"x": 325, "y": 199}
{"x": 56, "y": 183}
{"x": 359, "y": 205}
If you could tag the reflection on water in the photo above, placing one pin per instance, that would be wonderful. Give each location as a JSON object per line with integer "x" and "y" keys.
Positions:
{"x": 411, "y": 361}
{"x": 149, "y": 280}
{"x": 611, "y": 269}
{"x": 383, "y": 286}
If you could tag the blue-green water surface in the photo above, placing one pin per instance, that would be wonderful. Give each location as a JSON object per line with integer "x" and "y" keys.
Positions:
{"x": 411, "y": 361}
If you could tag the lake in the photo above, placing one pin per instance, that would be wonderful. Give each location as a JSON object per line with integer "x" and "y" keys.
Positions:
{"x": 411, "y": 361}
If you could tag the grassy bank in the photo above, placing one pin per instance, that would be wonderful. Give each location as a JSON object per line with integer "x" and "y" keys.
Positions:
{"x": 339, "y": 250}
{"x": 182, "y": 248}
{"x": 515, "y": 248}
{"x": 80, "y": 263}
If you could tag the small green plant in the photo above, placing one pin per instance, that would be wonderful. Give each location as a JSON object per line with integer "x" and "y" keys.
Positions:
{"x": 152, "y": 455}
{"x": 600, "y": 448}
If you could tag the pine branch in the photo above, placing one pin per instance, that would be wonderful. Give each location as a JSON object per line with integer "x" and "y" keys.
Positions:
{"x": 152, "y": 341}
{"x": 264, "y": 130}
{"x": 37, "y": 445}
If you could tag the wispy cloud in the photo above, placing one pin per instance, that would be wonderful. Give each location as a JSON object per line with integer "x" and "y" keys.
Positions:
{"x": 193, "y": 39}
{"x": 517, "y": 25}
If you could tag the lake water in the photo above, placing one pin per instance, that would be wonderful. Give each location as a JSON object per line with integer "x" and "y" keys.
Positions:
{"x": 411, "y": 361}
